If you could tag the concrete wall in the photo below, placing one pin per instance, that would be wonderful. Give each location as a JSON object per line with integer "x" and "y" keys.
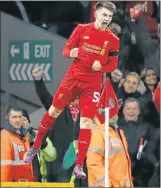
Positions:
{"x": 15, "y": 29}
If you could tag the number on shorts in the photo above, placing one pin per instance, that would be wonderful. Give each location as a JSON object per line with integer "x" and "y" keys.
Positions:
{"x": 96, "y": 96}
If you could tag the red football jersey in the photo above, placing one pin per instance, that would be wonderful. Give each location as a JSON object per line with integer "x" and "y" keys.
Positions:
{"x": 93, "y": 45}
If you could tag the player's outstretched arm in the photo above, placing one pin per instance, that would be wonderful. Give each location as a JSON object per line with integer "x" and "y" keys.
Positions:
{"x": 73, "y": 41}
{"x": 113, "y": 57}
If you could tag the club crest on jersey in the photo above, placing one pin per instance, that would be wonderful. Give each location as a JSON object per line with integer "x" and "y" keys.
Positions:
{"x": 105, "y": 43}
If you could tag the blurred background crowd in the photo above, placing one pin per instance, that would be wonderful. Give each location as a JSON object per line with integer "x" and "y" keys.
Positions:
{"x": 137, "y": 24}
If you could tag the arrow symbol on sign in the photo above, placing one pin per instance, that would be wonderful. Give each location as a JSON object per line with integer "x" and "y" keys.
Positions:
{"x": 14, "y": 51}
{"x": 42, "y": 66}
{"x": 28, "y": 72}
{"x": 17, "y": 71}
{"x": 11, "y": 71}
{"x": 45, "y": 72}
{"x": 23, "y": 71}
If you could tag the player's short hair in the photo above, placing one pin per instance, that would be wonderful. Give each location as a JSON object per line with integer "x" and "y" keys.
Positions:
{"x": 106, "y": 4}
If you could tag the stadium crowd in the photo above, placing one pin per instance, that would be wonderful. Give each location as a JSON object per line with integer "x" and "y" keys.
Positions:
{"x": 135, "y": 81}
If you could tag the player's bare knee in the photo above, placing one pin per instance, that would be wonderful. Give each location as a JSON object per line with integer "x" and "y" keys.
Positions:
{"x": 54, "y": 112}
{"x": 85, "y": 123}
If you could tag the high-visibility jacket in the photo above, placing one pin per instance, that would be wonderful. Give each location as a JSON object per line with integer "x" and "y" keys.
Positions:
{"x": 119, "y": 161}
{"x": 48, "y": 154}
{"x": 13, "y": 148}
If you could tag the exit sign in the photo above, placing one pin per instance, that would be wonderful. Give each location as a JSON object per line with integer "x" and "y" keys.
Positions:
{"x": 25, "y": 55}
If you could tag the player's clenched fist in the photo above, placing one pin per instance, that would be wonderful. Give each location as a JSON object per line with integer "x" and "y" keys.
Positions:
{"x": 96, "y": 66}
{"x": 74, "y": 52}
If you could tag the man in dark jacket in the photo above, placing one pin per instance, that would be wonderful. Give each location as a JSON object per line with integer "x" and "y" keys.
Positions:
{"x": 137, "y": 133}
{"x": 153, "y": 149}
{"x": 129, "y": 88}
{"x": 64, "y": 131}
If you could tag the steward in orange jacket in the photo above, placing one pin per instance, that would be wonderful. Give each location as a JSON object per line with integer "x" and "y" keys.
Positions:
{"x": 14, "y": 144}
{"x": 119, "y": 161}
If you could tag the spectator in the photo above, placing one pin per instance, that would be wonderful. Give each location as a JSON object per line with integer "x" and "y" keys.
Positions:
{"x": 14, "y": 144}
{"x": 117, "y": 27}
{"x": 68, "y": 122}
{"x": 136, "y": 131}
{"x": 115, "y": 76}
{"x": 150, "y": 79}
{"x": 57, "y": 174}
{"x": 153, "y": 149}
{"x": 47, "y": 152}
{"x": 119, "y": 161}
{"x": 122, "y": 26}
{"x": 148, "y": 110}
{"x": 129, "y": 87}
{"x": 149, "y": 48}
{"x": 117, "y": 23}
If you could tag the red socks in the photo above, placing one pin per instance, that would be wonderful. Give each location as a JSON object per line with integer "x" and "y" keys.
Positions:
{"x": 83, "y": 145}
{"x": 45, "y": 125}
{"x": 83, "y": 140}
